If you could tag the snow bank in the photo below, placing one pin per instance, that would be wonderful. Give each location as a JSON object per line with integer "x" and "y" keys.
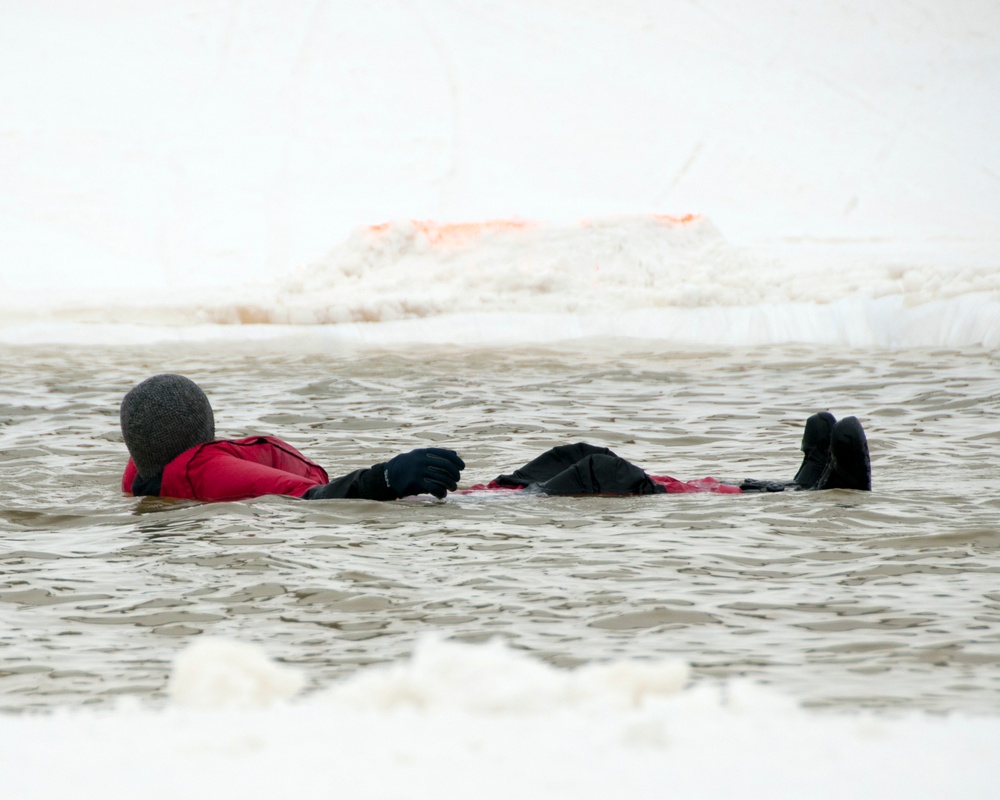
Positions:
{"x": 515, "y": 281}
{"x": 185, "y": 164}
{"x": 469, "y": 720}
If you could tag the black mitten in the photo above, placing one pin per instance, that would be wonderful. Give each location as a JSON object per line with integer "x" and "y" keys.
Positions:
{"x": 432, "y": 470}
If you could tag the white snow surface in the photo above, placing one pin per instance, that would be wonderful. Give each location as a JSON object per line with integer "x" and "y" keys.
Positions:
{"x": 175, "y": 166}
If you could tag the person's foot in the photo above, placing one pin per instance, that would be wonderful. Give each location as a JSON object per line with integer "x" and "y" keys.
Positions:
{"x": 816, "y": 446}
{"x": 849, "y": 465}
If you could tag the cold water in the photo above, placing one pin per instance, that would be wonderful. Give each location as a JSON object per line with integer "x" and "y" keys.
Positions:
{"x": 845, "y": 600}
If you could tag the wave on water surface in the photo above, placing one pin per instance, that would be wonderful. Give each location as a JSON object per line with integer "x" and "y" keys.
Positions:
{"x": 656, "y": 277}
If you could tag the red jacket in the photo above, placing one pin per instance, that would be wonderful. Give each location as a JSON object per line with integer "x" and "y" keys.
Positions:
{"x": 236, "y": 469}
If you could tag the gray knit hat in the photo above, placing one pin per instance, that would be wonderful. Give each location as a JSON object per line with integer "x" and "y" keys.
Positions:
{"x": 161, "y": 418}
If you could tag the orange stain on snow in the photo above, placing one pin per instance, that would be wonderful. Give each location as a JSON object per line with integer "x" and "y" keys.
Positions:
{"x": 456, "y": 234}
{"x": 687, "y": 219}
{"x": 663, "y": 219}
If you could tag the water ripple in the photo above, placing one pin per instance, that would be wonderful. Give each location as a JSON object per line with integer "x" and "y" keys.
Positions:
{"x": 885, "y": 600}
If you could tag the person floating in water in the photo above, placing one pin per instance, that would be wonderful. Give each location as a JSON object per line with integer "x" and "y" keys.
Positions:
{"x": 169, "y": 429}
{"x": 168, "y": 426}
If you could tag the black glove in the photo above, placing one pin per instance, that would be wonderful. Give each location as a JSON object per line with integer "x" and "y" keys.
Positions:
{"x": 431, "y": 470}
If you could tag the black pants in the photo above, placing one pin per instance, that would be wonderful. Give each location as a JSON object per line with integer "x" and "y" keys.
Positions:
{"x": 582, "y": 469}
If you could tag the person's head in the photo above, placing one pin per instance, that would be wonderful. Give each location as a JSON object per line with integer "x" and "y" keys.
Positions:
{"x": 161, "y": 418}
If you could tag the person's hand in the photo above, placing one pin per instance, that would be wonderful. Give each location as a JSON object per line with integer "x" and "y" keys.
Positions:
{"x": 432, "y": 470}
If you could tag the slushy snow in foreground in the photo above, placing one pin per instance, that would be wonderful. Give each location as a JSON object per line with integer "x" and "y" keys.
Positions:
{"x": 460, "y": 721}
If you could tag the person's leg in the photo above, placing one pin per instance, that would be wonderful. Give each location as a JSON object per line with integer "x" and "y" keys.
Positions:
{"x": 816, "y": 447}
{"x": 836, "y": 457}
{"x": 849, "y": 465}
{"x": 551, "y": 463}
{"x": 581, "y": 468}
{"x": 601, "y": 473}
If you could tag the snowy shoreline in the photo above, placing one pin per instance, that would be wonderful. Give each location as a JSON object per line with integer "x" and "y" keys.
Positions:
{"x": 457, "y": 720}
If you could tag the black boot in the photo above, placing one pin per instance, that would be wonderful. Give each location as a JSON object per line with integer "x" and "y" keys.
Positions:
{"x": 816, "y": 446}
{"x": 849, "y": 466}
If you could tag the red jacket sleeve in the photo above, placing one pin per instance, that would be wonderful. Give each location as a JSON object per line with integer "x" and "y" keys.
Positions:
{"x": 224, "y": 476}
{"x": 238, "y": 469}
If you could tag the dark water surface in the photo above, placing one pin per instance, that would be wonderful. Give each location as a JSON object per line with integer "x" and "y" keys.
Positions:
{"x": 843, "y": 599}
